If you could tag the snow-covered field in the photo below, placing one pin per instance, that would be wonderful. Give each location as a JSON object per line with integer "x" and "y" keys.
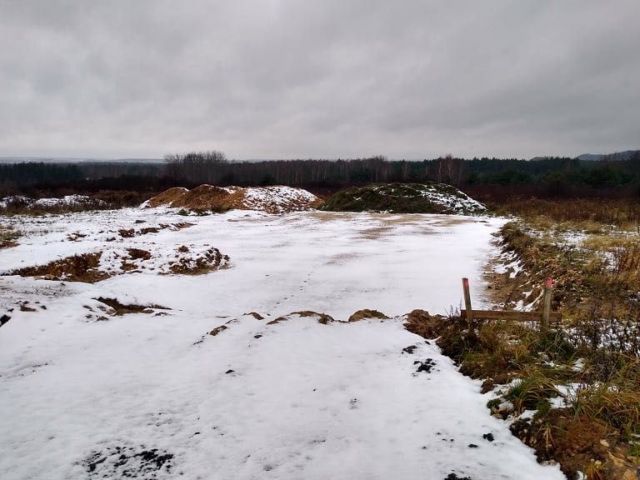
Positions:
{"x": 88, "y": 394}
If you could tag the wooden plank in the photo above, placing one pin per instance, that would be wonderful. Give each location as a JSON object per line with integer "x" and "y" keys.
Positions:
{"x": 513, "y": 316}
{"x": 546, "y": 312}
{"x": 467, "y": 300}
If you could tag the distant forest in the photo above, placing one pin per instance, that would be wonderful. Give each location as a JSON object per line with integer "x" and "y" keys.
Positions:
{"x": 485, "y": 177}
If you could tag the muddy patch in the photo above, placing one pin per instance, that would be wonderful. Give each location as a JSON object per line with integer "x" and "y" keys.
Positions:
{"x": 323, "y": 318}
{"x": 425, "y": 366}
{"x": 453, "y": 476}
{"x": 118, "y": 308}
{"x": 129, "y": 462}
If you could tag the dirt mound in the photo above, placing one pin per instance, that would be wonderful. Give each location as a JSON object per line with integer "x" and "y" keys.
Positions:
{"x": 97, "y": 266}
{"x": 277, "y": 199}
{"x": 208, "y": 197}
{"x": 77, "y": 268}
{"x": 323, "y": 318}
{"x": 367, "y": 314}
{"x": 166, "y": 197}
{"x": 119, "y": 308}
{"x": 425, "y": 325}
{"x": 404, "y": 198}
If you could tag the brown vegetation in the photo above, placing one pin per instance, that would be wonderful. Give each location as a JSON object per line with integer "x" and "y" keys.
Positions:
{"x": 8, "y": 237}
{"x": 591, "y": 250}
{"x": 593, "y": 432}
{"x": 583, "y": 211}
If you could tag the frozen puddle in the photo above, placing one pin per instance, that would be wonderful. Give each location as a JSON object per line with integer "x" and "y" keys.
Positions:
{"x": 152, "y": 396}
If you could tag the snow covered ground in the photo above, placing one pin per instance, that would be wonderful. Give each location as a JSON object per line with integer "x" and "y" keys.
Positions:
{"x": 88, "y": 394}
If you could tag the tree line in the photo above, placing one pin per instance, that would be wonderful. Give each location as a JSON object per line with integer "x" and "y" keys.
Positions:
{"x": 540, "y": 177}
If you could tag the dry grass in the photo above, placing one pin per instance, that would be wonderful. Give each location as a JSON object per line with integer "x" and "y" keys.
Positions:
{"x": 8, "y": 237}
{"x": 589, "y": 213}
{"x": 583, "y": 377}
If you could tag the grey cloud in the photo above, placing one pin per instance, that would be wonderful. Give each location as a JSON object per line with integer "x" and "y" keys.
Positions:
{"x": 329, "y": 78}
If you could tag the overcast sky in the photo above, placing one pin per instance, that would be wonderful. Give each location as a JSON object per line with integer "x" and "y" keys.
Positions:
{"x": 326, "y": 78}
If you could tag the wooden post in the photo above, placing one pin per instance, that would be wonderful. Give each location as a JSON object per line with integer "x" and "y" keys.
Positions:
{"x": 546, "y": 312}
{"x": 467, "y": 301}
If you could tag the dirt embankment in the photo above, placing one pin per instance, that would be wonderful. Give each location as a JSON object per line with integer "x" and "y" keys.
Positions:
{"x": 404, "y": 198}
{"x": 278, "y": 199}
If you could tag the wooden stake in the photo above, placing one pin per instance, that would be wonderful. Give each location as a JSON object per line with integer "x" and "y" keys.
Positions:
{"x": 467, "y": 301}
{"x": 546, "y": 312}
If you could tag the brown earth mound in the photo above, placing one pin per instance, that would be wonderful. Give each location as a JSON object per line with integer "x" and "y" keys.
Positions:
{"x": 366, "y": 313}
{"x": 122, "y": 308}
{"x": 77, "y": 268}
{"x": 167, "y": 197}
{"x": 208, "y": 197}
{"x": 323, "y": 318}
{"x": 276, "y": 199}
{"x": 422, "y": 323}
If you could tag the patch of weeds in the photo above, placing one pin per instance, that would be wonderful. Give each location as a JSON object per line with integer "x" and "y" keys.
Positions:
{"x": 8, "y": 237}
{"x": 531, "y": 391}
{"x": 609, "y": 403}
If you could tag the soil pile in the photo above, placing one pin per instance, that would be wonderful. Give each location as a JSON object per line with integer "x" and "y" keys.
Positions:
{"x": 278, "y": 199}
{"x": 404, "y": 198}
{"x": 77, "y": 268}
{"x": 97, "y": 266}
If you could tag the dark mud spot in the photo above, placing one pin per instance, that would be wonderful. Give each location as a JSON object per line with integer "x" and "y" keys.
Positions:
{"x": 123, "y": 309}
{"x": 410, "y": 349}
{"x": 129, "y": 462}
{"x": 126, "y": 233}
{"x": 217, "y": 330}
{"x": 425, "y": 366}
{"x": 453, "y": 476}
{"x": 138, "y": 254}
{"x": 4, "y": 319}
{"x": 488, "y": 437}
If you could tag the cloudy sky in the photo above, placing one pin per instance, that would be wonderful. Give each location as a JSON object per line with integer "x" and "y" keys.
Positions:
{"x": 325, "y": 78}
